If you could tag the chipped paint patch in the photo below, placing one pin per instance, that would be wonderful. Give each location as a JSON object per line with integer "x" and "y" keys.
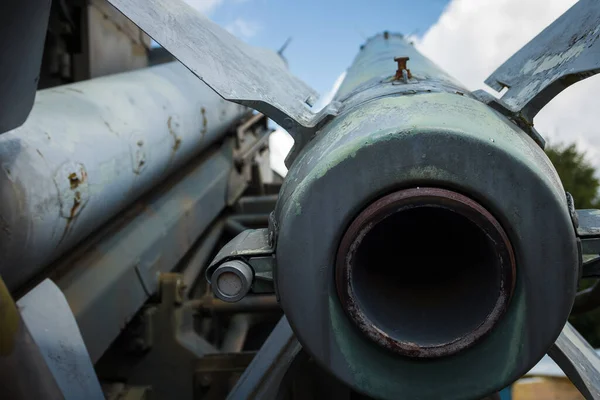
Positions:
{"x": 552, "y": 61}
{"x": 173, "y": 124}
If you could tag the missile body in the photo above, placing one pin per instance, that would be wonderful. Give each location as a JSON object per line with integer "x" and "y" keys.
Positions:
{"x": 424, "y": 243}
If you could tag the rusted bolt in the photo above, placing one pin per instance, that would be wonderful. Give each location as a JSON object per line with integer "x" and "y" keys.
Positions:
{"x": 425, "y": 272}
{"x": 402, "y": 67}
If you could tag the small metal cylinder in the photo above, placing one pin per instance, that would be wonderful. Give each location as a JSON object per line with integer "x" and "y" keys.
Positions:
{"x": 231, "y": 280}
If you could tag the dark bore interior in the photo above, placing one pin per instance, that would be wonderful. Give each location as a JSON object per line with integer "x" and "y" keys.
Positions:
{"x": 426, "y": 275}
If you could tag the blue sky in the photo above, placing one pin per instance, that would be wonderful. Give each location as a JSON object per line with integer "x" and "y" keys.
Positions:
{"x": 469, "y": 39}
{"x": 326, "y": 35}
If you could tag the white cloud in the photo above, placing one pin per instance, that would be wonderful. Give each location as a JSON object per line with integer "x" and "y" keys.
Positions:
{"x": 242, "y": 28}
{"x": 204, "y": 6}
{"x": 473, "y": 37}
{"x": 327, "y": 97}
{"x": 280, "y": 142}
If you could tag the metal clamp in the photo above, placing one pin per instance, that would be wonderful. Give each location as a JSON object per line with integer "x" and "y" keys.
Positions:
{"x": 245, "y": 263}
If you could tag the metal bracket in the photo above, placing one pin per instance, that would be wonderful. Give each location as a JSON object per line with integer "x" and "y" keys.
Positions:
{"x": 578, "y": 360}
{"x": 564, "y": 53}
{"x": 516, "y": 117}
{"x": 252, "y": 246}
{"x": 248, "y": 75}
{"x": 251, "y": 137}
{"x": 262, "y": 378}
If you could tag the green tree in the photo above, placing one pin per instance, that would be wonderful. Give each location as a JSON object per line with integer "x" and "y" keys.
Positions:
{"x": 577, "y": 176}
{"x": 576, "y": 173}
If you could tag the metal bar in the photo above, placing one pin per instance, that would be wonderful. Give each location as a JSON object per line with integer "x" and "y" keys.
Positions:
{"x": 234, "y": 227}
{"x": 200, "y": 257}
{"x": 256, "y": 204}
{"x": 587, "y": 299}
{"x": 578, "y": 360}
{"x": 90, "y": 149}
{"x": 250, "y": 219}
{"x": 262, "y": 377}
{"x": 251, "y": 303}
{"x": 235, "y": 337}
{"x": 114, "y": 277}
{"x": 25, "y": 374}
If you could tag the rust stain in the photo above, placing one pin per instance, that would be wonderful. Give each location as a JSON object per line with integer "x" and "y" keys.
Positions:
{"x": 176, "y": 139}
{"x": 402, "y": 61}
{"x": 74, "y": 180}
{"x": 204, "y": 122}
{"x": 72, "y": 216}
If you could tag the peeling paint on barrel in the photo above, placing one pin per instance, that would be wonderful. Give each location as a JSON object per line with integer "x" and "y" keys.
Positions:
{"x": 173, "y": 124}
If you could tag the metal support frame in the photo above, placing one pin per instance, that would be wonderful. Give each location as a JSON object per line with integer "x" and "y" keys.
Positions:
{"x": 264, "y": 374}
{"x": 113, "y": 275}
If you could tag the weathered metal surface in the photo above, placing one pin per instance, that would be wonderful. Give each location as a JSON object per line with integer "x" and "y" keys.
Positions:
{"x": 441, "y": 139}
{"x": 113, "y": 276}
{"x": 248, "y": 75}
{"x": 53, "y": 328}
{"x": 90, "y": 149}
{"x": 174, "y": 346}
{"x": 263, "y": 376}
{"x": 192, "y": 271}
{"x": 256, "y": 204}
{"x": 564, "y": 53}
{"x": 250, "y": 243}
{"x": 589, "y": 224}
{"x": 392, "y": 306}
{"x": 114, "y": 43}
{"x": 22, "y": 34}
{"x": 375, "y": 68}
{"x": 25, "y": 374}
{"x": 578, "y": 360}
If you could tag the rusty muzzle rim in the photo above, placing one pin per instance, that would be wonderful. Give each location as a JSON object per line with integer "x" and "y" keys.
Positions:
{"x": 425, "y": 272}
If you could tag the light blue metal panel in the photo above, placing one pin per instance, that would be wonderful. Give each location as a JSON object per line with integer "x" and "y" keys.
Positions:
{"x": 52, "y": 325}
